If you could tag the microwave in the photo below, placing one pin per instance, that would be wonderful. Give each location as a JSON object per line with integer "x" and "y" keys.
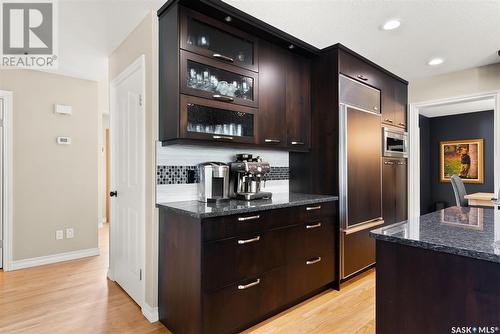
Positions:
{"x": 395, "y": 143}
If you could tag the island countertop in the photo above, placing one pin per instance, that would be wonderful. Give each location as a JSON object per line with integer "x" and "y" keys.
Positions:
{"x": 466, "y": 231}
{"x": 202, "y": 210}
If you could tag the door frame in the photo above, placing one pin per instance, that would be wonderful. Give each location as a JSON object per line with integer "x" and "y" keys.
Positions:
{"x": 138, "y": 64}
{"x": 414, "y": 143}
{"x": 8, "y": 198}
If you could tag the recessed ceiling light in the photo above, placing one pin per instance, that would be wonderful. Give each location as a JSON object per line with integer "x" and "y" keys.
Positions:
{"x": 391, "y": 24}
{"x": 435, "y": 61}
{"x": 228, "y": 18}
{"x": 291, "y": 46}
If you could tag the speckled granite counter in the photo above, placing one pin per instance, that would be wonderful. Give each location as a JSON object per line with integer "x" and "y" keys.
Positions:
{"x": 201, "y": 210}
{"x": 471, "y": 232}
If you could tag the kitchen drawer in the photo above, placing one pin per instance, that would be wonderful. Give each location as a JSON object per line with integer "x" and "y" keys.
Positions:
{"x": 248, "y": 223}
{"x": 309, "y": 274}
{"x": 242, "y": 304}
{"x": 310, "y": 240}
{"x": 359, "y": 70}
{"x": 313, "y": 212}
{"x": 254, "y": 222}
{"x": 234, "y": 259}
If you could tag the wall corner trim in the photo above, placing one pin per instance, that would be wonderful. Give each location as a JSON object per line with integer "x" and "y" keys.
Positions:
{"x": 54, "y": 258}
{"x": 150, "y": 313}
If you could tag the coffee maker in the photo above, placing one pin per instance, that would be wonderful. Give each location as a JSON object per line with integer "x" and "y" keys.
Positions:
{"x": 213, "y": 185}
{"x": 248, "y": 177}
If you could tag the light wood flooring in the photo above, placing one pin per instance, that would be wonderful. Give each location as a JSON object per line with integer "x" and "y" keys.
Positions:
{"x": 75, "y": 297}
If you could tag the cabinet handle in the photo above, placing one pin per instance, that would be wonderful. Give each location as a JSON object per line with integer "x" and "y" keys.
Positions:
{"x": 388, "y": 120}
{"x": 249, "y": 285}
{"x": 297, "y": 143}
{"x": 313, "y": 226}
{"x": 247, "y": 241}
{"x": 388, "y": 163}
{"x": 313, "y": 261}
{"x": 222, "y": 137}
{"x": 310, "y": 208}
{"x": 243, "y": 219}
{"x": 362, "y": 77}
{"x": 402, "y": 124}
{"x": 274, "y": 141}
{"x": 222, "y": 98}
{"x": 222, "y": 57}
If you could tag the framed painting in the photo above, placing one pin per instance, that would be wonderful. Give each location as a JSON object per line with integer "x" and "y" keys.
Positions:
{"x": 464, "y": 158}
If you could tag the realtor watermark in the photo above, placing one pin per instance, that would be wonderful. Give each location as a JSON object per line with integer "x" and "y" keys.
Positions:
{"x": 474, "y": 330}
{"x": 29, "y": 34}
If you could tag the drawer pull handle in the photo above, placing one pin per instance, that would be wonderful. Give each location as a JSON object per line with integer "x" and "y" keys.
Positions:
{"x": 274, "y": 141}
{"x": 247, "y": 241}
{"x": 313, "y": 261}
{"x": 249, "y": 285}
{"x": 297, "y": 143}
{"x": 362, "y": 77}
{"x": 311, "y": 208}
{"x": 402, "y": 124}
{"x": 388, "y": 120}
{"x": 222, "y": 98}
{"x": 222, "y": 137}
{"x": 222, "y": 57}
{"x": 313, "y": 226}
{"x": 244, "y": 219}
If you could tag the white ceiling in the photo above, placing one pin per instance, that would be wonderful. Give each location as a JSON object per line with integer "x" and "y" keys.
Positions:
{"x": 465, "y": 33}
{"x": 458, "y": 108}
{"x": 89, "y": 31}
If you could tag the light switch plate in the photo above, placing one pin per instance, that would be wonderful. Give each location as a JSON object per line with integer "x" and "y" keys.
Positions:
{"x": 59, "y": 234}
{"x": 70, "y": 233}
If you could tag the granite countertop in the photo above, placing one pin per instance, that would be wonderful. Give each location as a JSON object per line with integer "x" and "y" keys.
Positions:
{"x": 202, "y": 210}
{"x": 471, "y": 232}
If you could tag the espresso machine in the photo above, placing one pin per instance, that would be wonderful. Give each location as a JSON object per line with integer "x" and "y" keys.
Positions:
{"x": 248, "y": 177}
{"x": 213, "y": 185}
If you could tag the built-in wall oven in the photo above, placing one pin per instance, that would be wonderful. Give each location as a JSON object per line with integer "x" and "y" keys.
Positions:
{"x": 395, "y": 143}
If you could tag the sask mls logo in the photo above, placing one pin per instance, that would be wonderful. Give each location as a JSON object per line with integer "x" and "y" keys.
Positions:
{"x": 28, "y": 32}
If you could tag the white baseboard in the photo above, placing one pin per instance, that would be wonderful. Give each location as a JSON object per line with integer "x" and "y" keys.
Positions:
{"x": 48, "y": 259}
{"x": 151, "y": 313}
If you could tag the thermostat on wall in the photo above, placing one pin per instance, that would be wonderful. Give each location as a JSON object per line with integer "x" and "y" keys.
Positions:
{"x": 63, "y": 140}
{"x": 62, "y": 109}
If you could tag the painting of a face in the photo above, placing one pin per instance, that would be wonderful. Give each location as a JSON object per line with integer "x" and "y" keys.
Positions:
{"x": 463, "y": 158}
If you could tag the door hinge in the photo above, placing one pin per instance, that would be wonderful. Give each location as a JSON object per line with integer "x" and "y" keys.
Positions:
{"x": 140, "y": 274}
{"x": 140, "y": 100}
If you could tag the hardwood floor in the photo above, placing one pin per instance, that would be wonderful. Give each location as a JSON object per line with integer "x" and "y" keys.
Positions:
{"x": 75, "y": 297}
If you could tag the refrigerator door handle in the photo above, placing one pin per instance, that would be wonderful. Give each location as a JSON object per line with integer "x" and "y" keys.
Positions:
{"x": 370, "y": 224}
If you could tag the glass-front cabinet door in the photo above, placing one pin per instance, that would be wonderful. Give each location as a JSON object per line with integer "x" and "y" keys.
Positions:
{"x": 213, "y": 120}
{"x": 209, "y": 79}
{"x": 215, "y": 39}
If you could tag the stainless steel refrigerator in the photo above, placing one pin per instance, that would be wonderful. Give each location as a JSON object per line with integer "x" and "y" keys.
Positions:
{"x": 360, "y": 174}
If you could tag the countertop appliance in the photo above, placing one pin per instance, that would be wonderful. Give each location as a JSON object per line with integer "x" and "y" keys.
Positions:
{"x": 395, "y": 143}
{"x": 213, "y": 185}
{"x": 360, "y": 174}
{"x": 248, "y": 178}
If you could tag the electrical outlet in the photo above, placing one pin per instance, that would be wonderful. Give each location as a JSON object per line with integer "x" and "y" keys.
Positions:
{"x": 59, "y": 234}
{"x": 70, "y": 233}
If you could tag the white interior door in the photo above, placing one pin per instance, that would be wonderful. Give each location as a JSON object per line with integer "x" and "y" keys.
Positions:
{"x": 127, "y": 219}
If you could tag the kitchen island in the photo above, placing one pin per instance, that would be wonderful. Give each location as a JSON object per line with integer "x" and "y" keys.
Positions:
{"x": 439, "y": 273}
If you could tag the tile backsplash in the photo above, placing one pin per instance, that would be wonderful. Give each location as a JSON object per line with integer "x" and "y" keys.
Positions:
{"x": 176, "y": 169}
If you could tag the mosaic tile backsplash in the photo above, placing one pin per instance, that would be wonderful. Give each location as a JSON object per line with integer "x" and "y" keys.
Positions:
{"x": 189, "y": 174}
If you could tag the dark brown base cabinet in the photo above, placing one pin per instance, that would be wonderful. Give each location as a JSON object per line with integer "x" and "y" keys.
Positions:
{"x": 225, "y": 274}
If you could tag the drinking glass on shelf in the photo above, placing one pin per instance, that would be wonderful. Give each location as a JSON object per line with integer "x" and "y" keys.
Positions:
{"x": 219, "y": 129}
{"x": 192, "y": 78}
{"x": 203, "y": 41}
{"x": 232, "y": 129}
{"x": 199, "y": 80}
{"x": 239, "y": 130}
{"x": 225, "y": 129}
{"x": 198, "y": 128}
{"x": 213, "y": 82}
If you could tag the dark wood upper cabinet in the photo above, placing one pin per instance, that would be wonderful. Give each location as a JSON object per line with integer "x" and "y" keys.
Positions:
{"x": 356, "y": 68}
{"x": 212, "y": 38}
{"x": 298, "y": 102}
{"x": 271, "y": 118}
{"x": 394, "y": 102}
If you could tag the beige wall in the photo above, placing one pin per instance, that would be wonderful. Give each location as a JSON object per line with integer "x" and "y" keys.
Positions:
{"x": 55, "y": 186}
{"x": 467, "y": 82}
{"x": 144, "y": 40}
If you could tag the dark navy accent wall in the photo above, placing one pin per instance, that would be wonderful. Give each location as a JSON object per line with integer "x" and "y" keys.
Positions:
{"x": 456, "y": 127}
